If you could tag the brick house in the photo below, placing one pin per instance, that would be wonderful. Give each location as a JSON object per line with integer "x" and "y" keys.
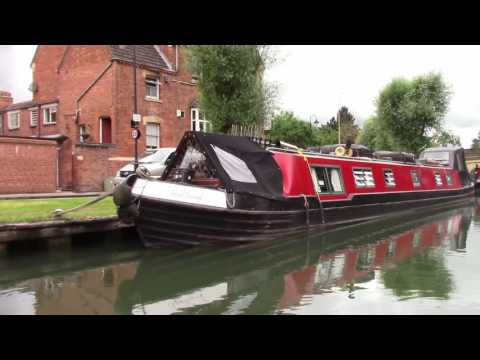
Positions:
{"x": 83, "y": 96}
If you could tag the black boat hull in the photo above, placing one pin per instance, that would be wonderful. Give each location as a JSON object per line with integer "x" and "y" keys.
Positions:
{"x": 163, "y": 223}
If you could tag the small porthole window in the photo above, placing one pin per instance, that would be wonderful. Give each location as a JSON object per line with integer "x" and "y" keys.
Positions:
{"x": 389, "y": 177}
{"x": 449, "y": 178}
{"x": 415, "y": 178}
{"x": 438, "y": 179}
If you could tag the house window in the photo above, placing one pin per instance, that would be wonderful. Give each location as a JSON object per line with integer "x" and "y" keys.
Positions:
{"x": 449, "y": 178}
{"x": 438, "y": 179}
{"x": 389, "y": 177}
{"x": 50, "y": 115}
{"x": 153, "y": 136}
{"x": 415, "y": 178}
{"x": 14, "y": 120}
{"x": 327, "y": 179}
{"x": 33, "y": 117}
{"x": 83, "y": 133}
{"x": 152, "y": 88}
{"x": 363, "y": 177}
{"x": 199, "y": 123}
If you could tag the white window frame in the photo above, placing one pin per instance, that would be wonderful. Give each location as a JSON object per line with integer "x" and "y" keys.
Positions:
{"x": 448, "y": 176}
{"x": 152, "y": 80}
{"x": 100, "y": 125}
{"x": 195, "y": 121}
{"x": 82, "y": 130}
{"x": 389, "y": 180}
{"x": 438, "y": 178}
{"x": 327, "y": 173}
{"x": 147, "y": 136}
{"x": 363, "y": 177}
{"x": 47, "y": 119}
{"x": 34, "y": 121}
{"x": 416, "y": 184}
{"x": 10, "y": 114}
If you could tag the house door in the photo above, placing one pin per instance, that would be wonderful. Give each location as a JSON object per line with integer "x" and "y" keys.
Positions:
{"x": 106, "y": 130}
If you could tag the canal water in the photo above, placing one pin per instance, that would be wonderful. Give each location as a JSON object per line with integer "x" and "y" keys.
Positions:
{"x": 429, "y": 264}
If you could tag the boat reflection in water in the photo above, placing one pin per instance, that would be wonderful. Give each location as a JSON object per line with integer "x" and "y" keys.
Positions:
{"x": 275, "y": 279}
{"x": 335, "y": 273}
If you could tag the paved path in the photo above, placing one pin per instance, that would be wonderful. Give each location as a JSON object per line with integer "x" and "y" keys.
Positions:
{"x": 60, "y": 194}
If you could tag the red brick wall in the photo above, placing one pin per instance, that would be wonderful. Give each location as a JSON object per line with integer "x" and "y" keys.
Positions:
{"x": 44, "y": 68}
{"x": 5, "y": 99}
{"x": 92, "y": 166}
{"x": 25, "y": 128}
{"x": 173, "y": 96}
{"x": 28, "y": 166}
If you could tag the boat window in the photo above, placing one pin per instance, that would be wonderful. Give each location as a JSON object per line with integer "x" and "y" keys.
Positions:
{"x": 192, "y": 156}
{"x": 415, "y": 178}
{"x": 439, "y": 157}
{"x": 438, "y": 179}
{"x": 449, "y": 178}
{"x": 363, "y": 178}
{"x": 235, "y": 167}
{"x": 327, "y": 179}
{"x": 389, "y": 178}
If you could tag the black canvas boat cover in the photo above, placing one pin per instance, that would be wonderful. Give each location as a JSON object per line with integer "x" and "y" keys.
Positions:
{"x": 244, "y": 166}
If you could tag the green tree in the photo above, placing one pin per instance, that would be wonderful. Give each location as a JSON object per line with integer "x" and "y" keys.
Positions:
{"x": 375, "y": 136}
{"x": 231, "y": 85}
{"x": 332, "y": 124}
{"x": 287, "y": 127}
{"x": 348, "y": 128}
{"x": 424, "y": 275}
{"x": 476, "y": 142}
{"x": 410, "y": 109}
{"x": 324, "y": 135}
{"x": 444, "y": 138}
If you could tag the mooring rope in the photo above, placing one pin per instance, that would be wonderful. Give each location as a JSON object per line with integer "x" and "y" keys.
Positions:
{"x": 300, "y": 151}
{"x": 59, "y": 212}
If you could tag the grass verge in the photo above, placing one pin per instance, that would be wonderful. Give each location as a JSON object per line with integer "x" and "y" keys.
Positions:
{"x": 32, "y": 210}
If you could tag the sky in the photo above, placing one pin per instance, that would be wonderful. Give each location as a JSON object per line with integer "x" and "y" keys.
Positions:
{"x": 318, "y": 79}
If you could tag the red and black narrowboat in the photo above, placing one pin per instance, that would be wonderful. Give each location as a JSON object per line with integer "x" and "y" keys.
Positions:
{"x": 231, "y": 189}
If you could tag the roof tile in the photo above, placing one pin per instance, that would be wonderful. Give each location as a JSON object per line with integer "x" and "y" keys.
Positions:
{"x": 147, "y": 55}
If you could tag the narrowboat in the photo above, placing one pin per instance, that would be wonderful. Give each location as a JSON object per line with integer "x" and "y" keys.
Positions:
{"x": 235, "y": 189}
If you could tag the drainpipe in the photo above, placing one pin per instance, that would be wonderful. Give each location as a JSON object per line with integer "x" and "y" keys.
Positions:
{"x": 176, "y": 58}
{"x": 58, "y": 167}
{"x": 87, "y": 89}
{"x": 39, "y": 122}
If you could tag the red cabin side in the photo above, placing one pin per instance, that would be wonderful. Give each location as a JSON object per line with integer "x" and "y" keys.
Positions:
{"x": 297, "y": 179}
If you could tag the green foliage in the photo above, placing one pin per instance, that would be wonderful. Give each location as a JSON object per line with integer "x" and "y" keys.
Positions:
{"x": 287, "y": 127}
{"x": 444, "y": 138}
{"x": 424, "y": 275}
{"x": 375, "y": 136}
{"x": 348, "y": 128}
{"x": 476, "y": 142}
{"x": 410, "y": 109}
{"x": 231, "y": 86}
{"x": 324, "y": 135}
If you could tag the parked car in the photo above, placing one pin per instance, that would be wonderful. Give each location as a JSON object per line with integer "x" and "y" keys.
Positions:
{"x": 154, "y": 163}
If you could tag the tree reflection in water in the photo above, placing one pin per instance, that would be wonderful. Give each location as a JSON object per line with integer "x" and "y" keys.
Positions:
{"x": 424, "y": 275}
